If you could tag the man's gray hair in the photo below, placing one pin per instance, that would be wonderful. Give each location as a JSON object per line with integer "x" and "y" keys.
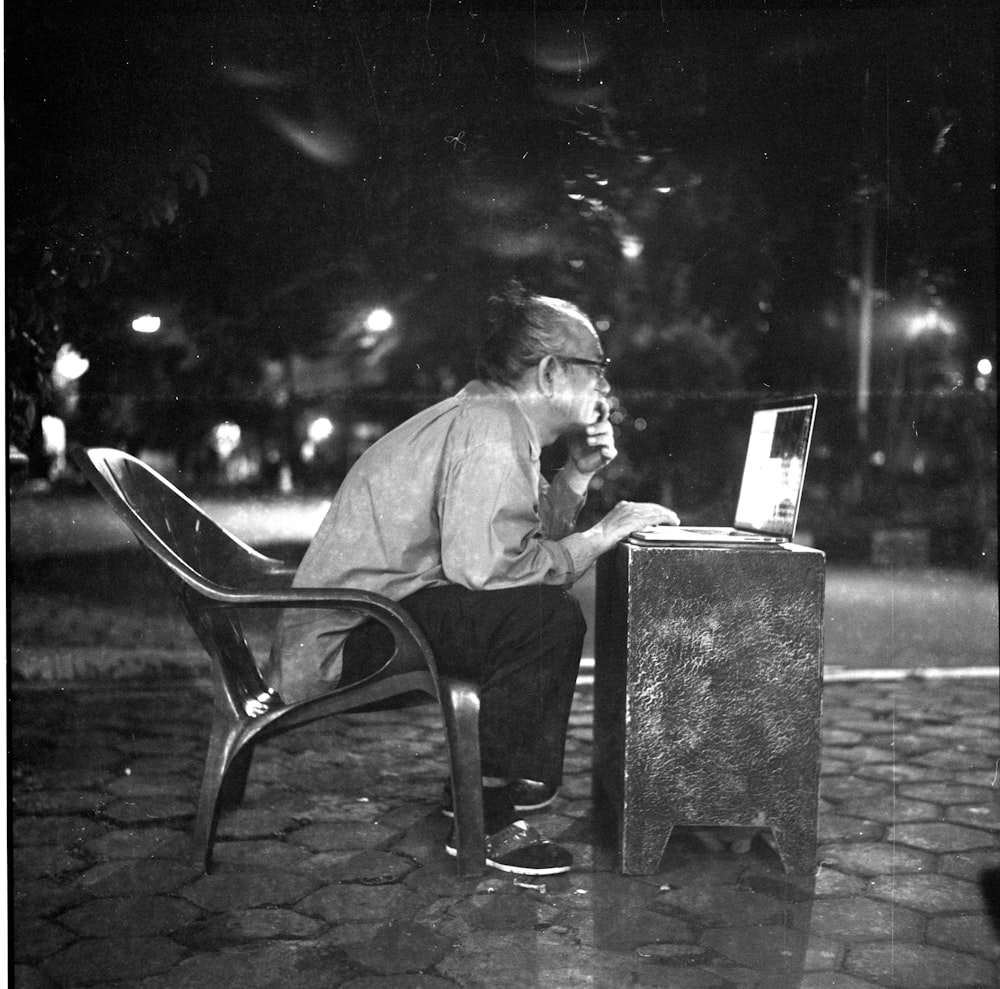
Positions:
{"x": 523, "y": 329}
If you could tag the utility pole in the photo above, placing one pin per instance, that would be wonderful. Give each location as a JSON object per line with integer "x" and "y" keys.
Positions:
{"x": 866, "y": 317}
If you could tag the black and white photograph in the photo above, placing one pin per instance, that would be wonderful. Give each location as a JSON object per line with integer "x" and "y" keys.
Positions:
{"x": 501, "y": 495}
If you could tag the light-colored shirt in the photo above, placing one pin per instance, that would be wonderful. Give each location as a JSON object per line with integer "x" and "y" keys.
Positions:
{"x": 455, "y": 495}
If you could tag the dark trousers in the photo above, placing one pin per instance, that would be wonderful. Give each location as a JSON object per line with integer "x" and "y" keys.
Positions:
{"x": 522, "y": 645}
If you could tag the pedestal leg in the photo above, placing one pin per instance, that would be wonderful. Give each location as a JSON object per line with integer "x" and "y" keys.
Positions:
{"x": 643, "y": 848}
{"x": 645, "y": 828}
{"x": 796, "y": 843}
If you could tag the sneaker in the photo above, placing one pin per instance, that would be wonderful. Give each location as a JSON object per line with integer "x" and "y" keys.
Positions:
{"x": 527, "y": 796}
{"x": 530, "y": 795}
{"x": 520, "y": 849}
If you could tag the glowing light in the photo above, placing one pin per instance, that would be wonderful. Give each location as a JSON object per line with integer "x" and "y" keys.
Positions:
{"x": 69, "y": 365}
{"x": 368, "y": 432}
{"x": 929, "y": 322}
{"x": 925, "y": 322}
{"x": 225, "y": 438}
{"x": 379, "y": 320}
{"x": 54, "y": 435}
{"x": 146, "y": 324}
{"x": 985, "y": 367}
{"x": 320, "y": 429}
{"x": 631, "y": 246}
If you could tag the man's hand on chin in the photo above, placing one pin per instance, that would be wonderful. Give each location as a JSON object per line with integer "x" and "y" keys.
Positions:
{"x": 593, "y": 447}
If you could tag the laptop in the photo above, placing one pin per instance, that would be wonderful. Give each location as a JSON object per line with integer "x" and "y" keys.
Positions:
{"x": 774, "y": 471}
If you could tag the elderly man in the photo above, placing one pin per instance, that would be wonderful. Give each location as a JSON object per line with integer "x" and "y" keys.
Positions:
{"x": 449, "y": 515}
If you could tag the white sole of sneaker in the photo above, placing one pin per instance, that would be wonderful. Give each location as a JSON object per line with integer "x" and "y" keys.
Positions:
{"x": 516, "y": 870}
{"x": 538, "y": 806}
{"x": 519, "y": 808}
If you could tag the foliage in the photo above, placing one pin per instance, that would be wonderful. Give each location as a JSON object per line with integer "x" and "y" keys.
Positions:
{"x": 83, "y": 186}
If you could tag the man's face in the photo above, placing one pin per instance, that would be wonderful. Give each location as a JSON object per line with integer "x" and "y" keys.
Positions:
{"x": 581, "y": 388}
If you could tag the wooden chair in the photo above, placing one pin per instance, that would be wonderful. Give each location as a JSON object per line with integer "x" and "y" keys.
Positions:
{"x": 215, "y": 577}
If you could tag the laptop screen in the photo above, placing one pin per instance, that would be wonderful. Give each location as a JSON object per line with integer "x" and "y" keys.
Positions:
{"x": 775, "y": 467}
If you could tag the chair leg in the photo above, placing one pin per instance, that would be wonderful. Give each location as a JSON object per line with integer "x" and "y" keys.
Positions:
{"x": 460, "y": 703}
{"x": 221, "y": 746}
{"x": 234, "y": 782}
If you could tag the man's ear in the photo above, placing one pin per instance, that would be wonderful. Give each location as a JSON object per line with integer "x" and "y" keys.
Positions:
{"x": 547, "y": 374}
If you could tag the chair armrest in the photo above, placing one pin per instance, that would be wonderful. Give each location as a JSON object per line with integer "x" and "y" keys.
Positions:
{"x": 286, "y": 571}
{"x": 275, "y": 578}
{"x": 367, "y": 603}
{"x": 299, "y": 597}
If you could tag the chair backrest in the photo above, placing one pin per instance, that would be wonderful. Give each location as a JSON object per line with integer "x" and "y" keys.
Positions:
{"x": 195, "y": 548}
{"x": 198, "y": 556}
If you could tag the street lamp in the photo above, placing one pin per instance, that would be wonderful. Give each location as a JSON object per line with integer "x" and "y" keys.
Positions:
{"x": 984, "y": 372}
{"x": 147, "y": 323}
{"x": 320, "y": 429}
{"x": 68, "y": 366}
{"x": 631, "y": 246}
{"x": 378, "y": 320}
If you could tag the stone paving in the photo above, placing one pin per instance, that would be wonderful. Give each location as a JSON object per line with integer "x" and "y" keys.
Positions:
{"x": 333, "y": 873}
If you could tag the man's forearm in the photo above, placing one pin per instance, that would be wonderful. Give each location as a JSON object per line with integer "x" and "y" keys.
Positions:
{"x": 585, "y": 547}
{"x": 561, "y": 501}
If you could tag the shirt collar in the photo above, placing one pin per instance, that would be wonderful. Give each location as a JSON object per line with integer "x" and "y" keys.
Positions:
{"x": 513, "y": 400}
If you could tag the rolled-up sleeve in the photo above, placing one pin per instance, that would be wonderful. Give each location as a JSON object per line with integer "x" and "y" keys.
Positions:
{"x": 559, "y": 508}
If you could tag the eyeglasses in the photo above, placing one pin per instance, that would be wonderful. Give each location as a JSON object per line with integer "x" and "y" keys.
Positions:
{"x": 600, "y": 366}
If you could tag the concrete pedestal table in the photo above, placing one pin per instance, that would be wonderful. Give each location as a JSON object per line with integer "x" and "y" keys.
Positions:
{"x": 708, "y": 688}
